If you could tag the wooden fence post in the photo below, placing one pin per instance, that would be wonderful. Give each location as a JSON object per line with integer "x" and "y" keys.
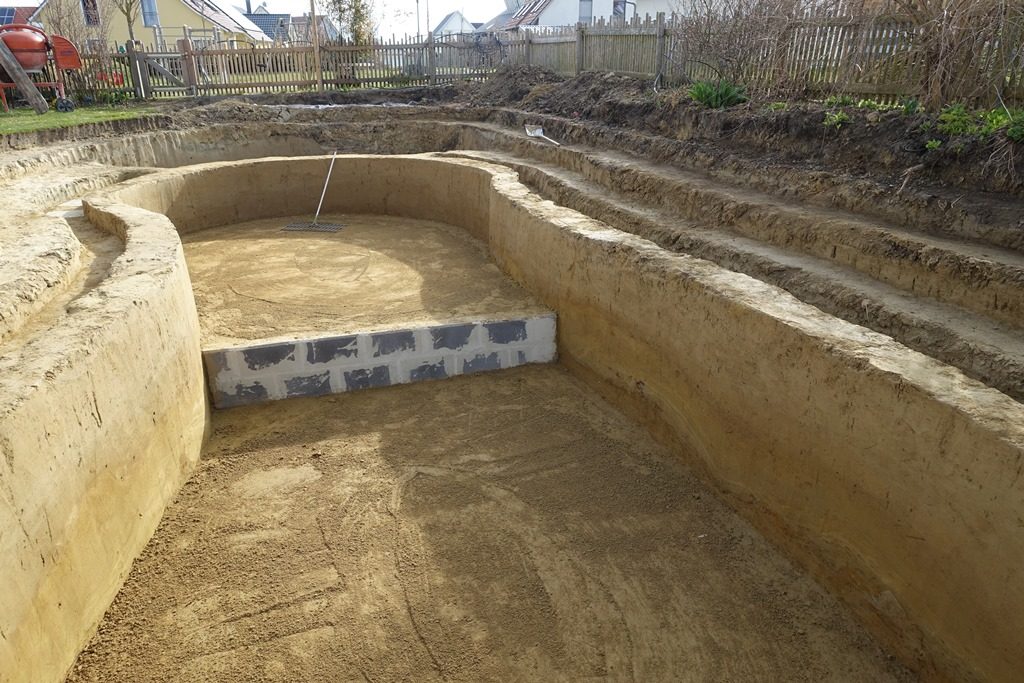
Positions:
{"x": 136, "y": 65}
{"x": 580, "y": 54}
{"x": 10, "y": 64}
{"x": 188, "y": 64}
{"x": 431, "y": 59}
{"x": 659, "y": 56}
{"x": 315, "y": 36}
{"x": 528, "y": 48}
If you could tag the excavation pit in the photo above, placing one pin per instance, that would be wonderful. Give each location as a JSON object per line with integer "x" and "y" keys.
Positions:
{"x": 872, "y": 465}
{"x": 505, "y": 526}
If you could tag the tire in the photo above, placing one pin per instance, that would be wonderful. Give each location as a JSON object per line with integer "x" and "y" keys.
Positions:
{"x": 64, "y": 105}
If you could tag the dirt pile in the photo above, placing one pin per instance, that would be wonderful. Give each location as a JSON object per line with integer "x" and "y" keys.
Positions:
{"x": 511, "y": 86}
{"x": 859, "y": 141}
{"x": 610, "y": 98}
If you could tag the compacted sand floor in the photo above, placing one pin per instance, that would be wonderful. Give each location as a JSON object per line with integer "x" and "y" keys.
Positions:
{"x": 506, "y": 526}
{"x": 255, "y": 281}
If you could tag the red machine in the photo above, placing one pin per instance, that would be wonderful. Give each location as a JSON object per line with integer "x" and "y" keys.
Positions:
{"x": 34, "y": 49}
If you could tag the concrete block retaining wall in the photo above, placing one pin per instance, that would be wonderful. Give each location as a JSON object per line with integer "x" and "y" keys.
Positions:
{"x": 327, "y": 365}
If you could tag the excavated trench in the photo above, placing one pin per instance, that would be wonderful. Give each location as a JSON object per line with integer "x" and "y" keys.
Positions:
{"x": 756, "y": 366}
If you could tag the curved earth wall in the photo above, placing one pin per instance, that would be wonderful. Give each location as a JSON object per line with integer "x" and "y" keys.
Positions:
{"x": 98, "y": 431}
{"x": 892, "y": 476}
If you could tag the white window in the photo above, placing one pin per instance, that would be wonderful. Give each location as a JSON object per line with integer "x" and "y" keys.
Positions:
{"x": 150, "y": 15}
{"x": 586, "y": 11}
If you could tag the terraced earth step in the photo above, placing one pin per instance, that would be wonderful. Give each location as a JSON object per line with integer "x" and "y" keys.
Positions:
{"x": 983, "y": 278}
{"x": 984, "y": 349}
{"x": 945, "y": 211}
{"x": 276, "y": 370}
{"x": 42, "y": 255}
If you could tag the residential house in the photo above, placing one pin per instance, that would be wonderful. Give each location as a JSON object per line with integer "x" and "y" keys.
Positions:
{"x": 454, "y": 24}
{"x": 95, "y": 23}
{"x": 277, "y": 26}
{"x": 642, "y": 8}
{"x": 301, "y": 33}
{"x": 16, "y": 15}
{"x": 526, "y": 13}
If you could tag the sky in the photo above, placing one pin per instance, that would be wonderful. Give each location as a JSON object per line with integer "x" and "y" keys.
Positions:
{"x": 398, "y": 17}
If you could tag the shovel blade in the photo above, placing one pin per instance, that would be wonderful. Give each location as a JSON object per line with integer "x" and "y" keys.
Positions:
{"x": 538, "y": 132}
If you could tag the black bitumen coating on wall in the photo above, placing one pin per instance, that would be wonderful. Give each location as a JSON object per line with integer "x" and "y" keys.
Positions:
{"x": 428, "y": 371}
{"x": 266, "y": 356}
{"x": 506, "y": 332}
{"x": 368, "y": 379}
{"x": 317, "y": 385}
{"x": 326, "y": 350}
{"x": 453, "y": 337}
{"x": 393, "y": 342}
{"x": 480, "y": 363}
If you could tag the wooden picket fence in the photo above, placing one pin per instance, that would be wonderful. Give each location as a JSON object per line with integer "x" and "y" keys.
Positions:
{"x": 245, "y": 68}
{"x": 815, "y": 54}
{"x": 868, "y": 56}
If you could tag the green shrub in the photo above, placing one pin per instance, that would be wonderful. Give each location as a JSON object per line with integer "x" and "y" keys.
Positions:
{"x": 875, "y": 105}
{"x": 717, "y": 95}
{"x": 932, "y": 144}
{"x": 1015, "y": 130}
{"x": 839, "y": 101}
{"x": 911, "y": 106}
{"x": 956, "y": 120}
{"x": 994, "y": 120}
{"x": 113, "y": 98}
{"x": 835, "y": 119}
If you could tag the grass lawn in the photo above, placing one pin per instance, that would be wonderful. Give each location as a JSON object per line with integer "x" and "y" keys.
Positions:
{"x": 24, "y": 119}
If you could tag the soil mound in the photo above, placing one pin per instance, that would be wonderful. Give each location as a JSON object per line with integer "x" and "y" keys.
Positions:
{"x": 512, "y": 85}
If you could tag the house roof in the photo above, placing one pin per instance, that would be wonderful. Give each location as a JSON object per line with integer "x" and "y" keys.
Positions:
{"x": 528, "y": 14}
{"x": 454, "y": 15}
{"x": 497, "y": 23}
{"x": 16, "y": 15}
{"x": 445, "y": 20}
{"x": 226, "y": 17}
{"x": 274, "y": 25}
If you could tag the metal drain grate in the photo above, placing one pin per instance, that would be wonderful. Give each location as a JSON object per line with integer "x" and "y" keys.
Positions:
{"x": 313, "y": 227}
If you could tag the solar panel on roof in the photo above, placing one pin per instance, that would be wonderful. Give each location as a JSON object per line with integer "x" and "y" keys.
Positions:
{"x": 6, "y": 15}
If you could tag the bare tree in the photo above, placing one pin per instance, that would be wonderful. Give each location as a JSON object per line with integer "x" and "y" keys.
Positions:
{"x": 129, "y": 9}
{"x": 728, "y": 39}
{"x": 947, "y": 50}
{"x": 355, "y": 19}
{"x": 66, "y": 18}
{"x": 961, "y": 50}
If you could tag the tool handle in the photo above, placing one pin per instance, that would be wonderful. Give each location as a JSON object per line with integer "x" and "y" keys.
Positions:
{"x": 324, "y": 193}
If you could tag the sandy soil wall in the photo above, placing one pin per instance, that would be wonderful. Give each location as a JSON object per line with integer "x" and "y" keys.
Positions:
{"x": 892, "y": 476}
{"x": 895, "y": 478}
{"x": 415, "y": 187}
{"x": 101, "y": 423}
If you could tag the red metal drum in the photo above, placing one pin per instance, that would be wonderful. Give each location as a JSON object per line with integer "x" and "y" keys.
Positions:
{"x": 29, "y": 45}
